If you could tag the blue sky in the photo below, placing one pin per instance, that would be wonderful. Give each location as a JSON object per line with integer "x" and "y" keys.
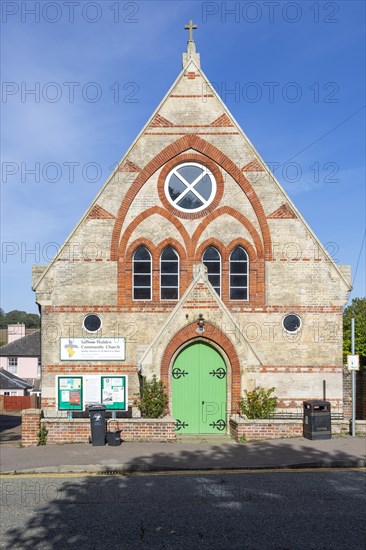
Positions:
{"x": 292, "y": 74}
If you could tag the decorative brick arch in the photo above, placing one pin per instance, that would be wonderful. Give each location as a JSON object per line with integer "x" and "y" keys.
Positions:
{"x": 188, "y": 335}
{"x": 184, "y": 266}
{"x": 238, "y": 216}
{"x": 125, "y": 254}
{"x": 256, "y": 270}
{"x": 191, "y": 141}
{"x": 135, "y": 245}
{"x": 125, "y": 269}
{"x": 243, "y": 243}
{"x": 211, "y": 241}
{"x": 142, "y": 217}
{"x": 169, "y": 241}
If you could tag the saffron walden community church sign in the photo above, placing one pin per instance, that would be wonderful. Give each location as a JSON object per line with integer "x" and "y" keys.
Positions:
{"x": 98, "y": 349}
{"x": 201, "y": 247}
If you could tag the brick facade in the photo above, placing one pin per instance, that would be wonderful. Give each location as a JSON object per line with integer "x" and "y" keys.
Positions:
{"x": 289, "y": 272}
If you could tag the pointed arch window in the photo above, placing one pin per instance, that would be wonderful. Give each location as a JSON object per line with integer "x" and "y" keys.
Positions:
{"x": 239, "y": 267}
{"x": 142, "y": 274}
{"x": 169, "y": 274}
{"x": 212, "y": 260}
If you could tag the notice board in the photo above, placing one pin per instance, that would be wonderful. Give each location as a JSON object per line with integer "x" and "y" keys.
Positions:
{"x": 114, "y": 392}
{"x": 70, "y": 393}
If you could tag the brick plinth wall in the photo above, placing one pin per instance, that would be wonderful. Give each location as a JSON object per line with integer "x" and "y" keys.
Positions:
{"x": 77, "y": 430}
{"x": 256, "y": 430}
{"x": 259, "y": 430}
{"x": 31, "y": 421}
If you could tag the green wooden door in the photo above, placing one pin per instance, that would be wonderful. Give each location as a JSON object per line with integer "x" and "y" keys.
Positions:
{"x": 199, "y": 390}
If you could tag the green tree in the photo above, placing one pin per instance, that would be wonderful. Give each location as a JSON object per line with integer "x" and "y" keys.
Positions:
{"x": 31, "y": 320}
{"x": 357, "y": 310}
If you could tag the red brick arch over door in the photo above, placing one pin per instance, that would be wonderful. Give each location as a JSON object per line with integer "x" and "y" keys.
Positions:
{"x": 191, "y": 141}
{"x": 212, "y": 333}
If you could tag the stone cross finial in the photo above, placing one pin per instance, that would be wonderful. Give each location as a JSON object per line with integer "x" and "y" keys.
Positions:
{"x": 190, "y": 27}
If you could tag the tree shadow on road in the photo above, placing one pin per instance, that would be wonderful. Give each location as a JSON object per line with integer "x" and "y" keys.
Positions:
{"x": 254, "y": 510}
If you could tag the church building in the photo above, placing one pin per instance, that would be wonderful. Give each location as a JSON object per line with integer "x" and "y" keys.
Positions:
{"x": 192, "y": 264}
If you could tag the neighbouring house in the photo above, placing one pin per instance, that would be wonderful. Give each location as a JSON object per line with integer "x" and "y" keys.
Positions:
{"x": 21, "y": 356}
{"x": 192, "y": 264}
{"x": 12, "y": 385}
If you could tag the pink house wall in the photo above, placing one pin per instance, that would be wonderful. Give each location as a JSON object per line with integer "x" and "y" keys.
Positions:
{"x": 12, "y": 392}
{"x": 27, "y": 366}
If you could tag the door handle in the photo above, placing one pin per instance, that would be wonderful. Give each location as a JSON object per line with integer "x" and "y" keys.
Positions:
{"x": 203, "y": 402}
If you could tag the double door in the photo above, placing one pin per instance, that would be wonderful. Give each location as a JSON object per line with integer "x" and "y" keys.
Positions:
{"x": 199, "y": 390}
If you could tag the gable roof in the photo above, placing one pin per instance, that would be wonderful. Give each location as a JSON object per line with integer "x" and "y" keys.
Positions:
{"x": 9, "y": 381}
{"x": 28, "y": 346}
{"x": 230, "y": 118}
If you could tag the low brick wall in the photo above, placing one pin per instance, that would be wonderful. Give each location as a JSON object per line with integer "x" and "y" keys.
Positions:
{"x": 251, "y": 430}
{"x": 31, "y": 422}
{"x": 77, "y": 430}
{"x": 242, "y": 429}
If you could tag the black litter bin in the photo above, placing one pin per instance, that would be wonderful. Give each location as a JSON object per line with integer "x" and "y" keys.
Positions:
{"x": 317, "y": 421}
{"x": 114, "y": 438}
{"x": 97, "y": 424}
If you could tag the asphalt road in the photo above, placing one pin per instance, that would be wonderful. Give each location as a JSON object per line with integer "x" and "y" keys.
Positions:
{"x": 10, "y": 428}
{"x": 252, "y": 510}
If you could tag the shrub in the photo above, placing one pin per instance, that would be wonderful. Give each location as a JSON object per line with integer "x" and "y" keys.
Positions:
{"x": 153, "y": 400}
{"x": 258, "y": 403}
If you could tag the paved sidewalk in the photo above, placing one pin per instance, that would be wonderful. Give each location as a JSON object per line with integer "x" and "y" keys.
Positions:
{"x": 186, "y": 455}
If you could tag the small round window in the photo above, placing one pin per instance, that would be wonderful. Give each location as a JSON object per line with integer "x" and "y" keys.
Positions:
{"x": 92, "y": 323}
{"x": 190, "y": 187}
{"x": 292, "y": 323}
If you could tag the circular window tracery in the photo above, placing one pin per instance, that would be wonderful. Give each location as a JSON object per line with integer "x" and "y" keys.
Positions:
{"x": 190, "y": 187}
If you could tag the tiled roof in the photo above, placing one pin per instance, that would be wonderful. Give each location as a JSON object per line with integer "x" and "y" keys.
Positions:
{"x": 9, "y": 381}
{"x": 28, "y": 346}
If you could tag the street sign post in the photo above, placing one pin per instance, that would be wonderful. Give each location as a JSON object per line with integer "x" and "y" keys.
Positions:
{"x": 353, "y": 362}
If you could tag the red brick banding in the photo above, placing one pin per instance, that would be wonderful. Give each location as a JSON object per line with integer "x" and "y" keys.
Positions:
{"x": 187, "y": 335}
{"x": 247, "y": 308}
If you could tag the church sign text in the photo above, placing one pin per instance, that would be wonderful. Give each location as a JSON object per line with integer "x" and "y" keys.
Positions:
{"x": 98, "y": 349}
